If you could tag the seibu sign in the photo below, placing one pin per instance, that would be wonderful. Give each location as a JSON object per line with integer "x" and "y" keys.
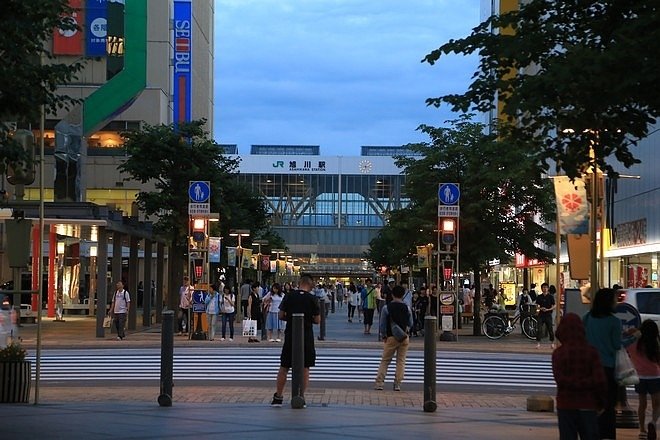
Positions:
{"x": 182, "y": 42}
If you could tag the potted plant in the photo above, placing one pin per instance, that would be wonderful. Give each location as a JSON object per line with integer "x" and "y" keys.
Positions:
{"x": 14, "y": 374}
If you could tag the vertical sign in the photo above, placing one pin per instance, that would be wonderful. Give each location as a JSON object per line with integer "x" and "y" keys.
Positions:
{"x": 96, "y": 28}
{"x": 70, "y": 42}
{"x": 182, "y": 43}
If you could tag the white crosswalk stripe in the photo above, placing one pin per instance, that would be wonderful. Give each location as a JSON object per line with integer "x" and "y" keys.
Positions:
{"x": 262, "y": 365}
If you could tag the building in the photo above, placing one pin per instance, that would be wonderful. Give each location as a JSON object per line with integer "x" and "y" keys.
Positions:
{"x": 162, "y": 75}
{"x": 326, "y": 208}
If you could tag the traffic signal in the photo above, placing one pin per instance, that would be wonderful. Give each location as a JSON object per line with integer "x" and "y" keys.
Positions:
{"x": 199, "y": 230}
{"x": 22, "y": 172}
{"x": 448, "y": 231}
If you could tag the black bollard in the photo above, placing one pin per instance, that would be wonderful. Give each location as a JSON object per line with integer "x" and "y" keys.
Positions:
{"x": 297, "y": 360}
{"x": 334, "y": 300}
{"x": 166, "y": 359}
{"x": 322, "y": 324}
{"x": 430, "y": 325}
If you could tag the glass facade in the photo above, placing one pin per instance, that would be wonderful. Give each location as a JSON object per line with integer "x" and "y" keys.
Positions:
{"x": 327, "y": 208}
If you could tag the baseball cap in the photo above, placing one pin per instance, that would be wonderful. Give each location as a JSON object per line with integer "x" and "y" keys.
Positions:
{"x": 391, "y": 280}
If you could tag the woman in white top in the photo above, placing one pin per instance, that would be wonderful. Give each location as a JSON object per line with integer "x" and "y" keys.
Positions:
{"x": 212, "y": 310}
{"x": 272, "y": 303}
{"x": 353, "y": 301}
{"x": 228, "y": 310}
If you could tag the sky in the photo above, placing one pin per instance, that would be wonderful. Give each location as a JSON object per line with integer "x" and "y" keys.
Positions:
{"x": 335, "y": 73}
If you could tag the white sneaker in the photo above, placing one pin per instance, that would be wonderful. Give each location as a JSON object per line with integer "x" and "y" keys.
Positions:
{"x": 271, "y": 340}
{"x": 231, "y": 339}
{"x": 278, "y": 340}
{"x": 222, "y": 339}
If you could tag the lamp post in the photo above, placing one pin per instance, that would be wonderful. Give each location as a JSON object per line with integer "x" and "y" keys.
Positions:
{"x": 259, "y": 243}
{"x": 240, "y": 233}
{"x": 277, "y": 253}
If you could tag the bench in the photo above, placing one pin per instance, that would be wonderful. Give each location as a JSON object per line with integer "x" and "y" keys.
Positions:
{"x": 75, "y": 309}
{"x": 467, "y": 316}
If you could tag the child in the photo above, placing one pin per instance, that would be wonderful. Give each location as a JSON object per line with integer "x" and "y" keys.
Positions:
{"x": 645, "y": 355}
{"x": 580, "y": 381}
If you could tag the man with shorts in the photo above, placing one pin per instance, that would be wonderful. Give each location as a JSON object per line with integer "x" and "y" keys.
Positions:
{"x": 298, "y": 301}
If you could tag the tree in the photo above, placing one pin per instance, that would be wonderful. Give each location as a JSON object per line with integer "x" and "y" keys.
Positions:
{"x": 571, "y": 75}
{"x": 171, "y": 158}
{"x": 504, "y": 198}
{"x": 28, "y": 79}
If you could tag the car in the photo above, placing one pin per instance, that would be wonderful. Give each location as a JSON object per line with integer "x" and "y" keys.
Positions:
{"x": 645, "y": 300}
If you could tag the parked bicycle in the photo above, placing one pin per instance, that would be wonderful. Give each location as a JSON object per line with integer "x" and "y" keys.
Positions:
{"x": 497, "y": 325}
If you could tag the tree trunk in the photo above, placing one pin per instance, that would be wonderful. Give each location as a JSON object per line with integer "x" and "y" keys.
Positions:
{"x": 476, "y": 306}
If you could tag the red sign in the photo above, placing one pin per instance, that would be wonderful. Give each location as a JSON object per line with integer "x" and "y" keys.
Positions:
{"x": 70, "y": 42}
{"x": 523, "y": 261}
{"x": 446, "y": 310}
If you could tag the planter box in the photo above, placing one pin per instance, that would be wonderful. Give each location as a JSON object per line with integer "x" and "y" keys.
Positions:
{"x": 15, "y": 382}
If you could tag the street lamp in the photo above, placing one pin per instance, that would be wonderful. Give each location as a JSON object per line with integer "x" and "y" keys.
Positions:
{"x": 259, "y": 243}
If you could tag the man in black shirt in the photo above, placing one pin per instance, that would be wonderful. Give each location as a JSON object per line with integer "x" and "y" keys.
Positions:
{"x": 298, "y": 301}
{"x": 546, "y": 304}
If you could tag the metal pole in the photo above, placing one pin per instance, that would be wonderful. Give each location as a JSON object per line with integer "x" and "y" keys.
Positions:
{"x": 594, "y": 226}
{"x": 166, "y": 359}
{"x": 430, "y": 404}
{"x": 558, "y": 310}
{"x": 297, "y": 361}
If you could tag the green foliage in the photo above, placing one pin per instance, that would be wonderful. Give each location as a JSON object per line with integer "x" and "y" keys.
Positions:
{"x": 170, "y": 159}
{"x": 12, "y": 353}
{"x": 571, "y": 75}
{"x": 503, "y": 195}
{"x": 28, "y": 77}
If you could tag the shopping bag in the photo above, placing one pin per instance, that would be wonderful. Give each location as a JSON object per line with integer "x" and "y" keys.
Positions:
{"x": 624, "y": 370}
{"x": 107, "y": 322}
{"x": 249, "y": 327}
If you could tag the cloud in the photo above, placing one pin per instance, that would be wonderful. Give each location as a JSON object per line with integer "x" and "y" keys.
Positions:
{"x": 335, "y": 73}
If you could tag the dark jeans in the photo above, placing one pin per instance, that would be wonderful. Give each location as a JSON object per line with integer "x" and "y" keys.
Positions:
{"x": 120, "y": 323}
{"x": 228, "y": 318}
{"x": 574, "y": 421}
{"x": 244, "y": 304}
{"x": 545, "y": 319}
{"x": 183, "y": 317}
{"x": 351, "y": 311}
{"x": 607, "y": 419}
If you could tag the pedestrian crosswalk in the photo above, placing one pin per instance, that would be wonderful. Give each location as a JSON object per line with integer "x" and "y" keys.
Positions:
{"x": 347, "y": 366}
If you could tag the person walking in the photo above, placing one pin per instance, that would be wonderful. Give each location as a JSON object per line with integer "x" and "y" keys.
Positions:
{"x": 185, "y": 300}
{"x": 368, "y": 297}
{"x": 396, "y": 312}
{"x": 580, "y": 381}
{"x": 228, "y": 309}
{"x": 272, "y": 303}
{"x": 353, "y": 301}
{"x": 645, "y": 356}
{"x": 604, "y": 332}
{"x": 299, "y": 301}
{"x": 254, "y": 309}
{"x": 212, "y": 310}
{"x": 121, "y": 303}
{"x": 546, "y": 304}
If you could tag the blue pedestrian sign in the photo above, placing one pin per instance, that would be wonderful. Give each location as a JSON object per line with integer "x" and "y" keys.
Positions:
{"x": 199, "y": 191}
{"x": 449, "y": 194}
{"x": 628, "y": 315}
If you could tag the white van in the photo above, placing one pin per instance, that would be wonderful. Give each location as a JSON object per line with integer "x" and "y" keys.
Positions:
{"x": 645, "y": 300}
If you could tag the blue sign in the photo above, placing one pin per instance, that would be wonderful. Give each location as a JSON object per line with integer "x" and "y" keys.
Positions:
{"x": 628, "y": 315}
{"x": 449, "y": 194}
{"x": 96, "y": 28}
{"x": 199, "y": 300}
{"x": 182, "y": 43}
{"x": 199, "y": 191}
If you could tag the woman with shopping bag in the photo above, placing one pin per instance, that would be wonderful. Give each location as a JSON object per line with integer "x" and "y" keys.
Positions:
{"x": 254, "y": 312}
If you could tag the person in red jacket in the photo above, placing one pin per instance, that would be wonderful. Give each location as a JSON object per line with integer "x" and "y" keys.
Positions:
{"x": 580, "y": 379}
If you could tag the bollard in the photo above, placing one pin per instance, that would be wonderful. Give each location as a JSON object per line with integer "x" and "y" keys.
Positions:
{"x": 297, "y": 360}
{"x": 166, "y": 359}
{"x": 430, "y": 404}
{"x": 334, "y": 300}
{"x": 322, "y": 323}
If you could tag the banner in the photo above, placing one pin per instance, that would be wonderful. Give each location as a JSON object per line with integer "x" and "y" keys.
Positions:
{"x": 273, "y": 266}
{"x": 231, "y": 256}
{"x": 96, "y": 28}
{"x": 265, "y": 263}
{"x": 70, "y": 42}
{"x": 422, "y": 256}
{"x": 246, "y": 258}
{"x": 572, "y": 206}
{"x": 214, "y": 249}
{"x": 182, "y": 42}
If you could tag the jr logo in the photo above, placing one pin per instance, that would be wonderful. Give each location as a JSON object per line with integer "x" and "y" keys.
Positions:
{"x": 278, "y": 164}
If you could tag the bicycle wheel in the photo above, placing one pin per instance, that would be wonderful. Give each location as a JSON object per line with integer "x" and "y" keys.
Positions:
{"x": 530, "y": 327}
{"x": 494, "y": 327}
